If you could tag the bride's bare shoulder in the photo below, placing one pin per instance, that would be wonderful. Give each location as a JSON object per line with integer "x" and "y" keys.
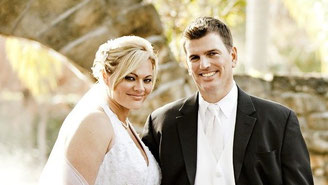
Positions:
{"x": 93, "y": 126}
{"x": 96, "y": 116}
{"x": 97, "y": 122}
{"x": 89, "y": 143}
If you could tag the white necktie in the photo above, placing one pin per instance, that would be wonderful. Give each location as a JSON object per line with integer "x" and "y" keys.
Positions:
{"x": 214, "y": 130}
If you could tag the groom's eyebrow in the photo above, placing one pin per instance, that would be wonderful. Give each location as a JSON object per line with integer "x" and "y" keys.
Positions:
{"x": 213, "y": 50}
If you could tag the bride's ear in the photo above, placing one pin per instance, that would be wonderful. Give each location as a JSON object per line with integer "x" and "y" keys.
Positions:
{"x": 105, "y": 77}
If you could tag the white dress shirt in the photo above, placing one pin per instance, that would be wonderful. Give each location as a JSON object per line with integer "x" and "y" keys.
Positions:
{"x": 210, "y": 171}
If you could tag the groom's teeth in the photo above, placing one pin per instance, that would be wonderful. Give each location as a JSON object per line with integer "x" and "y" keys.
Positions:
{"x": 208, "y": 74}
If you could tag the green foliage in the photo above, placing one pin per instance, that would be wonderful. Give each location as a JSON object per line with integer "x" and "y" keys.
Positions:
{"x": 308, "y": 64}
{"x": 36, "y": 66}
{"x": 177, "y": 14}
{"x": 53, "y": 126}
{"x": 312, "y": 15}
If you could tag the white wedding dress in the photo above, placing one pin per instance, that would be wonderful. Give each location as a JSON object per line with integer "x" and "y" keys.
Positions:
{"x": 122, "y": 165}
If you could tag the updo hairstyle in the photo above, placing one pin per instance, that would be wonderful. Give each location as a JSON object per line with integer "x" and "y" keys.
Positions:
{"x": 121, "y": 56}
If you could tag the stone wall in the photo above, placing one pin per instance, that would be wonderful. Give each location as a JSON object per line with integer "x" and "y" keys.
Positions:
{"x": 76, "y": 28}
{"x": 308, "y": 97}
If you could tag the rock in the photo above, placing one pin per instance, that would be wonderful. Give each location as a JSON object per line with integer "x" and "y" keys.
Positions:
{"x": 317, "y": 141}
{"x": 318, "y": 121}
{"x": 77, "y": 28}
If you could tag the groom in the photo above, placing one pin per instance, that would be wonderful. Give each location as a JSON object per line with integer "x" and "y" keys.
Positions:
{"x": 221, "y": 135}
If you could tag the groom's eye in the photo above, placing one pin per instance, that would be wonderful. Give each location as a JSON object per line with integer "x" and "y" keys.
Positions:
{"x": 193, "y": 58}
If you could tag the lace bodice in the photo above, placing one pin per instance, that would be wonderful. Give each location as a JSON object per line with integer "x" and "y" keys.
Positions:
{"x": 124, "y": 163}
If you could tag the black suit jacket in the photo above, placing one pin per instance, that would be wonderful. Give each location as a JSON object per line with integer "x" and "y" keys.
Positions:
{"x": 268, "y": 147}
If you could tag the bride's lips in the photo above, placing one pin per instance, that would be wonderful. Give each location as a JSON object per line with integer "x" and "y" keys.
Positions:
{"x": 136, "y": 96}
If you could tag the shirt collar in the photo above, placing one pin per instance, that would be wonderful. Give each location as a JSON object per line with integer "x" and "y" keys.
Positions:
{"x": 202, "y": 104}
{"x": 226, "y": 104}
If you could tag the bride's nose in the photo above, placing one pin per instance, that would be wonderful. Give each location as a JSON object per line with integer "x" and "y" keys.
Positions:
{"x": 139, "y": 86}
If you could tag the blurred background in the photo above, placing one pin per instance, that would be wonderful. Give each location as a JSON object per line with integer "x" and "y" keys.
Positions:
{"x": 47, "y": 48}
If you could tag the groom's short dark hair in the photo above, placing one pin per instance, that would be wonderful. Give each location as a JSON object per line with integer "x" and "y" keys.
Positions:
{"x": 204, "y": 25}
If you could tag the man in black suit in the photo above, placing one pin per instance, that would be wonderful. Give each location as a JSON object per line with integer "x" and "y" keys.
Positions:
{"x": 221, "y": 135}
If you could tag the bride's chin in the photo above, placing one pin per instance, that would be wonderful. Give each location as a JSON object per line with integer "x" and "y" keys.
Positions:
{"x": 136, "y": 107}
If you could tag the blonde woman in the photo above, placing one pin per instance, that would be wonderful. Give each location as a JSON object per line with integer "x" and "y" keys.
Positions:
{"x": 96, "y": 143}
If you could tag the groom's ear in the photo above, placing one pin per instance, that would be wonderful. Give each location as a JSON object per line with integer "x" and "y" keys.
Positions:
{"x": 189, "y": 71}
{"x": 234, "y": 56}
{"x": 187, "y": 66}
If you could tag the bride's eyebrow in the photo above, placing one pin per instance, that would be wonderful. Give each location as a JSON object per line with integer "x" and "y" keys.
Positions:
{"x": 149, "y": 76}
{"x": 133, "y": 74}
{"x": 138, "y": 76}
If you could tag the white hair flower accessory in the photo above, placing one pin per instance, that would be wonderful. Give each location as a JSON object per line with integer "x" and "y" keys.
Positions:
{"x": 100, "y": 59}
{"x": 102, "y": 52}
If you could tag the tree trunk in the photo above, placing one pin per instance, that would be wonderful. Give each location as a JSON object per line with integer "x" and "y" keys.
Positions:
{"x": 257, "y": 35}
{"x": 42, "y": 134}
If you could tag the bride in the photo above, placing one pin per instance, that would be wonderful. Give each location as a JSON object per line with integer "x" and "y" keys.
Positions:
{"x": 96, "y": 143}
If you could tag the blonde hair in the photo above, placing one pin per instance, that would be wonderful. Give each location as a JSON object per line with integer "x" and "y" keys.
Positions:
{"x": 121, "y": 56}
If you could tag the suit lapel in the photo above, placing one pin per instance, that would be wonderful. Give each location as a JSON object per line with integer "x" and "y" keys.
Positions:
{"x": 243, "y": 130}
{"x": 187, "y": 130}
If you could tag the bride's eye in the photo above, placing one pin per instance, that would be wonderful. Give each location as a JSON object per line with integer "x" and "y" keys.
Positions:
{"x": 129, "y": 78}
{"x": 148, "y": 80}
